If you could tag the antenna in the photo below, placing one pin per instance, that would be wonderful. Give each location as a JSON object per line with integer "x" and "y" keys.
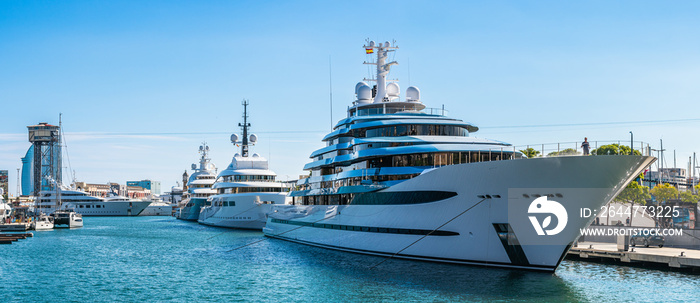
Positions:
{"x": 59, "y": 164}
{"x": 330, "y": 87}
{"x": 17, "y": 183}
{"x": 245, "y": 125}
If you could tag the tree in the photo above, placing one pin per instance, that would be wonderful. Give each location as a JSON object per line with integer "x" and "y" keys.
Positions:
{"x": 566, "y": 152}
{"x": 688, "y": 197}
{"x": 614, "y": 149}
{"x": 634, "y": 193}
{"x": 530, "y": 152}
{"x": 664, "y": 192}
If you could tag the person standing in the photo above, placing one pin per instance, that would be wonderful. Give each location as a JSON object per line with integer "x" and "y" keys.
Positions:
{"x": 586, "y": 146}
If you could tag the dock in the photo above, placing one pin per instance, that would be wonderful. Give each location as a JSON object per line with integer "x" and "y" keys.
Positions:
{"x": 9, "y": 238}
{"x": 680, "y": 259}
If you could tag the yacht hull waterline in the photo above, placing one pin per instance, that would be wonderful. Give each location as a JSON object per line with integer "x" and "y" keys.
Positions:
{"x": 480, "y": 223}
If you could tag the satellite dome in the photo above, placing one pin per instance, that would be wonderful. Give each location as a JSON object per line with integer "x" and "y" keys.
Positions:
{"x": 413, "y": 94}
{"x": 201, "y": 147}
{"x": 392, "y": 90}
{"x": 364, "y": 94}
{"x": 256, "y": 155}
{"x": 386, "y": 44}
{"x": 234, "y": 138}
{"x": 253, "y": 138}
{"x": 371, "y": 43}
{"x": 358, "y": 85}
{"x": 194, "y": 166}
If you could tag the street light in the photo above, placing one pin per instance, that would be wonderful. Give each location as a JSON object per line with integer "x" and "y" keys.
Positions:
{"x": 631, "y": 143}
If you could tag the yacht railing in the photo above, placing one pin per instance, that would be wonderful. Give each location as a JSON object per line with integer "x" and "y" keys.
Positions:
{"x": 573, "y": 148}
{"x": 392, "y": 110}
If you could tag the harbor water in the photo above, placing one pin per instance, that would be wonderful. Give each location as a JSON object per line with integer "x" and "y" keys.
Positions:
{"x": 161, "y": 259}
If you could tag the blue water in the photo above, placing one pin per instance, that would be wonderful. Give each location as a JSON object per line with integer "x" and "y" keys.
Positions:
{"x": 158, "y": 259}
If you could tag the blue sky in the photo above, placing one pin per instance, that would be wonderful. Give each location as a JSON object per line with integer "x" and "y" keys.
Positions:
{"x": 142, "y": 83}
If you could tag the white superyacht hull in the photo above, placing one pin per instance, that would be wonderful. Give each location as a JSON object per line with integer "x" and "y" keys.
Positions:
{"x": 249, "y": 211}
{"x": 468, "y": 214}
{"x": 190, "y": 212}
{"x": 158, "y": 209}
{"x": 105, "y": 208}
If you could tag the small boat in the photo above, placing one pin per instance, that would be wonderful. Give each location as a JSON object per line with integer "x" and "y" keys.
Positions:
{"x": 42, "y": 222}
{"x": 67, "y": 218}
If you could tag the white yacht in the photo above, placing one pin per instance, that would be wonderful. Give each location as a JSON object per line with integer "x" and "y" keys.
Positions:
{"x": 399, "y": 180}
{"x": 246, "y": 189}
{"x": 86, "y": 205}
{"x": 198, "y": 187}
{"x": 158, "y": 207}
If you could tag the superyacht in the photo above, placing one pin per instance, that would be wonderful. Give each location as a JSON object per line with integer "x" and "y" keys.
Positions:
{"x": 246, "y": 189}
{"x": 86, "y": 205}
{"x": 198, "y": 187}
{"x": 399, "y": 180}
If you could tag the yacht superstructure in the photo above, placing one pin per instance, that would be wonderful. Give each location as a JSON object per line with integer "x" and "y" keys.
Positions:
{"x": 198, "y": 187}
{"x": 400, "y": 180}
{"x": 246, "y": 189}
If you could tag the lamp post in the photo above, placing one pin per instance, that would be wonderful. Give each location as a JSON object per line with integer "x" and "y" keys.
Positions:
{"x": 631, "y": 144}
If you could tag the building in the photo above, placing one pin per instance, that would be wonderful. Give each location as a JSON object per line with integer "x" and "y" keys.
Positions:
{"x": 153, "y": 186}
{"x": 101, "y": 190}
{"x": 27, "y": 172}
{"x": 3, "y": 184}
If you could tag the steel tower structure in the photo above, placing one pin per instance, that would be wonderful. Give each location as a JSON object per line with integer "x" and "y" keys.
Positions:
{"x": 46, "y": 165}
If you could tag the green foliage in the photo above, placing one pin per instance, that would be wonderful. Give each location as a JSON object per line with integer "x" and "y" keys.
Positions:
{"x": 566, "y": 152}
{"x": 688, "y": 197}
{"x": 635, "y": 194}
{"x": 530, "y": 152}
{"x": 664, "y": 192}
{"x": 613, "y": 149}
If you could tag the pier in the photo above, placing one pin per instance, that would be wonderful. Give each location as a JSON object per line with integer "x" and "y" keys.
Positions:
{"x": 681, "y": 259}
{"x": 9, "y": 238}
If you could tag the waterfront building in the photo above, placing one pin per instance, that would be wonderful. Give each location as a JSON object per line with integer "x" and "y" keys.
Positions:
{"x": 103, "y": 189}
{"x": 153, "y": 186}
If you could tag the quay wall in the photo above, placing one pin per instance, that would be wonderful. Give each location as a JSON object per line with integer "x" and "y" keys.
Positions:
{"x": 689, "y": 239}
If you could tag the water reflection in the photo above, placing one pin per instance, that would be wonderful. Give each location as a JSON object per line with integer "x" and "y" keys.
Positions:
{"x": 342, "y": 274}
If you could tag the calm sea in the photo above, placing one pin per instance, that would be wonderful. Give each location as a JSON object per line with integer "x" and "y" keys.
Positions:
{"x": 155, "y": 259}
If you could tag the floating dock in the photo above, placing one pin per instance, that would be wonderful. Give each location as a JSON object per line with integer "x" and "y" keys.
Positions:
{"x": 9, "y": 238}
{"x": 682, "y": 259}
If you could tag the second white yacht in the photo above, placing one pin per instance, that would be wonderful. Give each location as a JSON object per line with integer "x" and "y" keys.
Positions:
{"x": 198, "y": 187}
{"x": 246, "y": 189}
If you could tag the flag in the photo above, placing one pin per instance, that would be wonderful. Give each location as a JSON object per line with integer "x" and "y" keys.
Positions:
{"x": 369, "y": 50}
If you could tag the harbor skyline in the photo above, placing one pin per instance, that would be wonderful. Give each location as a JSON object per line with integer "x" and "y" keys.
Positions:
{"x": 142, "y": 85}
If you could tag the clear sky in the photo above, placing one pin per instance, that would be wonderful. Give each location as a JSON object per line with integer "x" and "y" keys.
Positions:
{"x": 142, "y": 83}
